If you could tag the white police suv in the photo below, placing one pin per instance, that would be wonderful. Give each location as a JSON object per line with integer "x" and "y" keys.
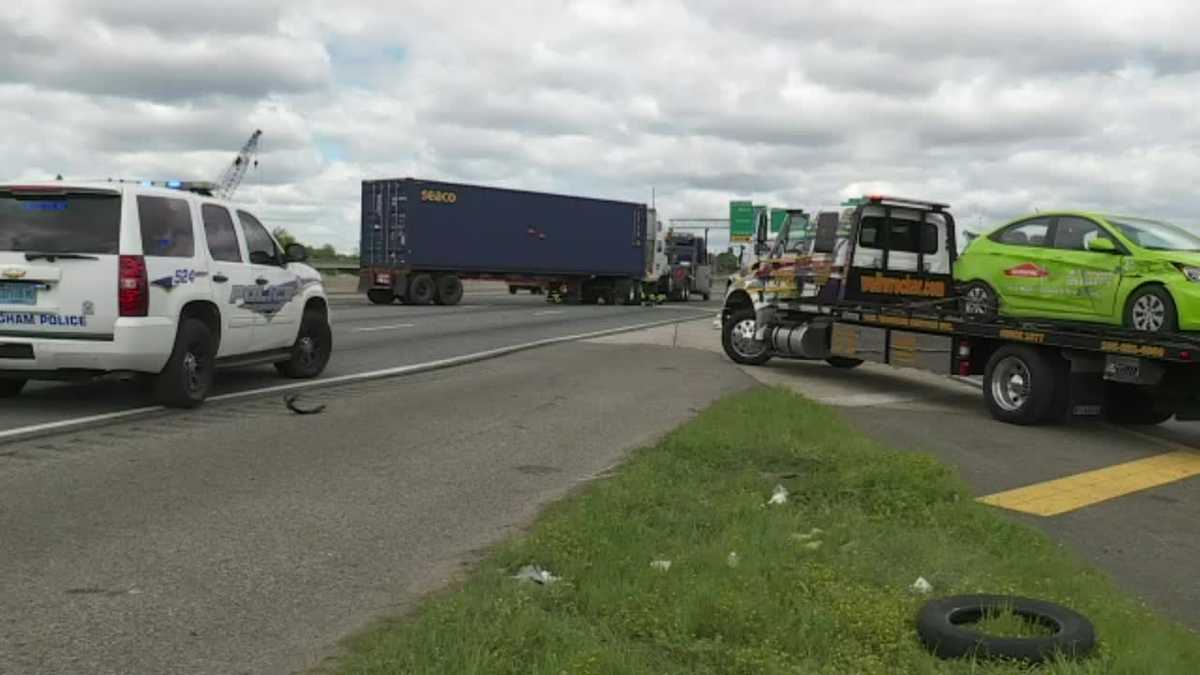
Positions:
{"x": 164, "y": 283}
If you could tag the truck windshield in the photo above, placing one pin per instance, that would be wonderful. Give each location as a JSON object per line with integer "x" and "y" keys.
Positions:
{"x": 60, "y": 223}
{"x": 1156, "y": 235}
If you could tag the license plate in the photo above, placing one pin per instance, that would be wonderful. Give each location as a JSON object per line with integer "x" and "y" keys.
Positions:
{"x": 17, "y": 294}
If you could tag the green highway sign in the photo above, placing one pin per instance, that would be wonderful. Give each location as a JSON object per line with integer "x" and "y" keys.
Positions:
{"x": 741, "y": 221}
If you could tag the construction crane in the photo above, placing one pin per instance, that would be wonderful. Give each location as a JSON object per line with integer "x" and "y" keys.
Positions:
{"x": 237, "y": 171}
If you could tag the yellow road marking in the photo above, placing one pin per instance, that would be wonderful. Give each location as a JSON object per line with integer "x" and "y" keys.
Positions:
{"x": 1062, "y": 495}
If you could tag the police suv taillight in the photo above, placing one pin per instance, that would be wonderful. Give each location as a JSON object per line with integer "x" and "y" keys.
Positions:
{"x": 133, "y": 287}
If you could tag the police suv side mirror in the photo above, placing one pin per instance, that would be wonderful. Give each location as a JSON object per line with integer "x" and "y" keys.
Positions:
{"x": 295, "y": 253}
{"x": 261, "y": 258}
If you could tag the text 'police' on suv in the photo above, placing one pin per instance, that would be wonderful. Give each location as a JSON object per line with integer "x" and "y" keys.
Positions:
{"x": 163, "y": 284}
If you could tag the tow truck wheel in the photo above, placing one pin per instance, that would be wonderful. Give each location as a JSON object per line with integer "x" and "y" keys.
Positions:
{"x": 843, "y": 362}
{"x": 1019, "y": 385}
{"x": 11, "y": 388}
{"x": 979, "y": 302}
{"x": 1135, "y": 405}
{"x": 381, "y": 296}
{"x": 737, "y": 338}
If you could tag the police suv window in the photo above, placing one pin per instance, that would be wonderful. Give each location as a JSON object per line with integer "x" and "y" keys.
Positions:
{"x": 221, "y": 235}
{"x": 258, "y": 240}
{"x": 166, "y": 227}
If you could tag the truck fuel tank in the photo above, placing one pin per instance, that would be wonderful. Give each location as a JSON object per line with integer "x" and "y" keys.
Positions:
{"x": 806, "y": 341}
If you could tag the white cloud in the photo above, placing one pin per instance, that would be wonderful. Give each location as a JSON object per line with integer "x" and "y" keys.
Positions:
{"x": 998, "y": 108}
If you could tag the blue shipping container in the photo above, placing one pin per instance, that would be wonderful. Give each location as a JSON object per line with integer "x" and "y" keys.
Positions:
{"x": 414, "y": 224}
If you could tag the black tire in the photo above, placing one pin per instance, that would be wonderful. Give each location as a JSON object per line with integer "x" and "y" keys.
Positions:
{"x": 844, "y": 362}
{"x": 187, "y": 378}
{"x": 420, "y": 290}
{"x": 686, "y": 292}
{"x": 1019, "y": 384}
{"x": 1152, "y": 310}
{"x": 1133, "y": 405}
{"x": 381, "y": 296}
{"x": 707, "y": 296}
{"x": 536, "y": 290}
{"x": 736, "y": 348}
{"x": 311, "y": 351}
{"x": 945, "y": 627}
{"x": 979, "y": 302}
{"x": 449, "y": 290}
{"x": 512, "y": 290}
{"x": 11, "y": 388}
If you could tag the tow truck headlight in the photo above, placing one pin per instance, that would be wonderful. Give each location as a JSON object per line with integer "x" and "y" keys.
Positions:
{"x": 1192, "y": 273}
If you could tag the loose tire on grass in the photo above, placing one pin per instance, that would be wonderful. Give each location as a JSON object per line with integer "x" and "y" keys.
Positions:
{"x": 1152, "y": 310}
{"x": 11, "y": 388}
{"x": 945, "y": 628}
{"x": 420, "y": 290}
{"x": 381, "y": 296}
{"x": 1019, "y": 384}
{"x": 449, "y": 290}
{"x": 311, "y": 351}
{"x": 738, "y": 343}
{"x": 188, "y": 376}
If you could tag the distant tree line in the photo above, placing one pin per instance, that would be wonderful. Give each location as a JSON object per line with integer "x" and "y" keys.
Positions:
{"x": 325, "y": 252}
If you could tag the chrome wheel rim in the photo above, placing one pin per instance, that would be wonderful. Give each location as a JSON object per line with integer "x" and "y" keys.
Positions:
{"x": 1011, "y": 384}
{"x": 192, "y": 372}
{"x": 1149, "y": 313}
{"x": 741, "y": 337}
{"x": 978, "y": 301}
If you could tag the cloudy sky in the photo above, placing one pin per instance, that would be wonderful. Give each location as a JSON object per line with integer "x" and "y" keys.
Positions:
{"x": 996, "y": 107}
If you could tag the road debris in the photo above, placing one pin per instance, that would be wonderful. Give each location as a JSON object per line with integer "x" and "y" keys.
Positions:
{"x": 661, "y": 565}
{"x": 812, "y": 534}
{"x": 535, "y": 574}
{"x": 291, "y": 401}
{"x": 779, "y": 496}
{"x": 733, "y": 559}
{"x": 921, "y": 586}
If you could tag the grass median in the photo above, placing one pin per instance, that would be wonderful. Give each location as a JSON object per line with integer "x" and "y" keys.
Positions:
{"x": 819, "y": 584}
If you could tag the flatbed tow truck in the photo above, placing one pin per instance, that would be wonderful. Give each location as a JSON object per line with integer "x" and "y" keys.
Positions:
{"x": 874, "y": 283}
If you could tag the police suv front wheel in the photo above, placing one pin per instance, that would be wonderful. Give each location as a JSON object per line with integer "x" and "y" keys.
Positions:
{"x": 11, "y": 388}
{"x": 188, "y": 375}
{"x": 310, "y": 353}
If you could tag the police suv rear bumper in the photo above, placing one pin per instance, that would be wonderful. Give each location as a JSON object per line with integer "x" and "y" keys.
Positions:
{"x": 135, "y": 345}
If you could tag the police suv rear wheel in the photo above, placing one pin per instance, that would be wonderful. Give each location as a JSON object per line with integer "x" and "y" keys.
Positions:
{"x": 188, "y": 375}
{"x": 11, "y": 388}
{"x": 310, "y": 353}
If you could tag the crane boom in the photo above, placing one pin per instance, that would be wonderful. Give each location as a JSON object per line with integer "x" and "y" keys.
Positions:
{"x": 237, "y": 171}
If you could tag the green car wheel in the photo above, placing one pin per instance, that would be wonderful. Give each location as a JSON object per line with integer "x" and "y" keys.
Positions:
{"x": 1151, "y": 309}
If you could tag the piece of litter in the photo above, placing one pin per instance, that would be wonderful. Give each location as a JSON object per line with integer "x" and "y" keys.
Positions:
{"x": 779, "y": 496}
{"x": 662, "y": 565}
{"x": 290, "y": 402}
{"x": 535, "y": 574}
{"x": 813, "y": 545}
{"x": 732, "y": 560}
{"x": 921, "y": 586}
{"x": 812, "y": 534}
{"x": 135, "y": 591}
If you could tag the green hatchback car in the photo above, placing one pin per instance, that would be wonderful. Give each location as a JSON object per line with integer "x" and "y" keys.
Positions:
{"x": 1125, "y": 271}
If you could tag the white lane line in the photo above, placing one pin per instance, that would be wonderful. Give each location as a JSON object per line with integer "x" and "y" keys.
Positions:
{"x": 64, "y": 425}
{"x": 394, "y": 326}
{"x": 549, "y": 312}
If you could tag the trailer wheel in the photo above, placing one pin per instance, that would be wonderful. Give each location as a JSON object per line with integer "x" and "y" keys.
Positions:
{"x": 1019, "y": 385}
{"x": 979, "y": 302}
{"x": 844, "y": 362}
{"x": 512, "y": 290}
{"x": 421, "y": 290}
{"x": 381, "y": 296}
{"x": 1135, "y": 405}
{"x": 449, "y": 290}
{"x": 737, "y": 339}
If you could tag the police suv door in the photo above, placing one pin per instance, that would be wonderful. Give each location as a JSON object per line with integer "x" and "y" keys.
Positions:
{"x": 230, "y": 275}
{"x": 273, "y": 297}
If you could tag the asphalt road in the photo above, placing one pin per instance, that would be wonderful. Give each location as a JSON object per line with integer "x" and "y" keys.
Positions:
{"x": 240, "y": 538}
{"x": 369, "y": 337}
